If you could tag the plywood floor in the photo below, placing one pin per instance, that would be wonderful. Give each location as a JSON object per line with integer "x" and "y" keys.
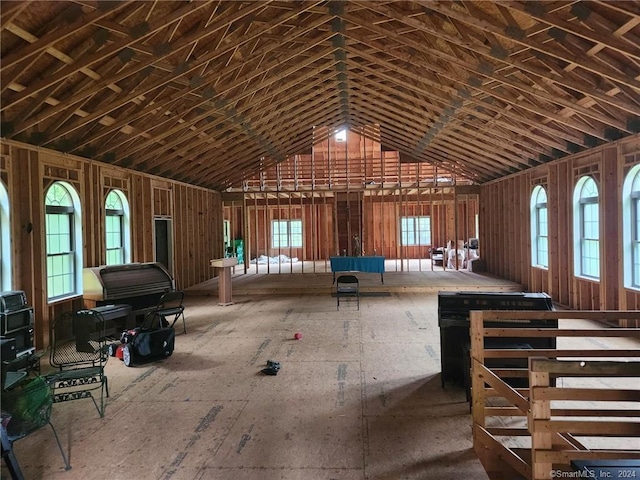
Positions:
{"x": 316, "y": 278}
{"x": 358, "y": 397}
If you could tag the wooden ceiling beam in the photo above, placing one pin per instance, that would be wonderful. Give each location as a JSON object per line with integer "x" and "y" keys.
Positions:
{"x": 488, "y": 123}
{"x": 157, "y": 84}
{"x": 230, "y": 154}
{"x": 184, "y": 41}
{"x": 597, "y": 37}
{"x": 190, "y": 144}
{"x": 47, "y": 42}
{"x": 286, "y": 72}
{"x": 396, "y": 138}
{"x": 36, "y": 102}
{"x": 302, "y": 136}
{"x": 455, "y": 95}
{"x": 10, "y": 11}
{"x": 288, "y": 130}
{"x": 107, "y": 52}
{"x": 475, "y": 69}
{"x": 528, "y": 67}
{"x": 242, "y": 170}
{"x": 544, "y": 48}
{"x": 398, "y": 127}
{"x": 532, "y": 144}
{"x": 472, "y": 147}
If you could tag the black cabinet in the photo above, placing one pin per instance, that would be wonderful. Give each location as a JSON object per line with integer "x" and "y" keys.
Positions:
{"x": 453, "y": 320}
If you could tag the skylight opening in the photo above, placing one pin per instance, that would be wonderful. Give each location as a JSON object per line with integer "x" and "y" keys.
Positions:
{"x": 341, "y": 135}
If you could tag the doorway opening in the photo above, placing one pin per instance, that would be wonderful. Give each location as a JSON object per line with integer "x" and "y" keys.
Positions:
{"x": 164, "y": 242}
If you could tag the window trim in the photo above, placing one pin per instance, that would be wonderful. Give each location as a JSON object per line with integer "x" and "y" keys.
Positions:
{"x": 5, "y": 240}
{"x": 416, "y": 231}
{"x": 535, "y": 207}
{"x": 579, "y": 239}
{"x": 631, "y": 229}
{"x": 125, "y": 228}
{"x": 287, "y": 222}
{"x": 75, "y": 217}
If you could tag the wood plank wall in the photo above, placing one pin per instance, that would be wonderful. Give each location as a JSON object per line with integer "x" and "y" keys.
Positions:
{"x": 27, "y": 171}
{"x": 505, "y": 229}
{"x": 348, "y": 187}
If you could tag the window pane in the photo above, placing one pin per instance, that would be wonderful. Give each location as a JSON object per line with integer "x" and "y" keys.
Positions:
{"x": 295, "y": 227}
{"x": 590, "y": 258}
{"x": 424, "y": 230}
{"x": 113, "y": 201}
{"x": 59, "y": 238}
{"x": 279, "y": 234}
{"x": 296, "y": 240}
{"x": 415, "y": 230}
{"x": 589, "y": 189}
{"x": 543, "y": 222}
{"x": 590, "y": 221}
{"x": 286, "y": 233}
{"x": 115, "y": 256}
{"x": 60, "y": 275}
{"x": 541, "y": 197}
{"x": 58, "y": 195}
{"x": 58, "y": 235}
{"x": 543, "y": 254}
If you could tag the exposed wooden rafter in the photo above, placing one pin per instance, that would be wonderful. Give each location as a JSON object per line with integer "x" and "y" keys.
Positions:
{"x": 213, "y": 92}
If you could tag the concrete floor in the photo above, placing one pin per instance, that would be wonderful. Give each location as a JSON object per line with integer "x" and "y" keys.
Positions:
{"x": 358, "y": 397}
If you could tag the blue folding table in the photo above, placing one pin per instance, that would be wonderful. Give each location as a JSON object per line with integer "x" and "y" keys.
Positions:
{"x": 358, "y": 264}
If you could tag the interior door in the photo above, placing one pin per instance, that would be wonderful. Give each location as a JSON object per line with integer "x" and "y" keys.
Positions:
{"x": 164, "y": 243}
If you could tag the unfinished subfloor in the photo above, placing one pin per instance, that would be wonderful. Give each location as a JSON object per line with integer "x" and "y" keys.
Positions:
{"x": 358, "y": 397}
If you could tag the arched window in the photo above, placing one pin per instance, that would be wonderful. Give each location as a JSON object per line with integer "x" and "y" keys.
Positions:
{"x": 117, "y": 230}
{"x": 631, "y": 228}
{"x": 5, "y": 240}
{"x": 586, "y": 229}
{"x": 539, "y": 228}
{"x": 64, "y": 241}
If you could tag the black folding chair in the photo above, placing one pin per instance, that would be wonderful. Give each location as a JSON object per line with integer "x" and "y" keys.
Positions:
{"x": 79, "y": 353}
{"x": 170, "y": 306}
{"x": 347, "y": 286}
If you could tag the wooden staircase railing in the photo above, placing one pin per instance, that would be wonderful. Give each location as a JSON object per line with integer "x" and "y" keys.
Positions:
{"x": 571, "y": 405}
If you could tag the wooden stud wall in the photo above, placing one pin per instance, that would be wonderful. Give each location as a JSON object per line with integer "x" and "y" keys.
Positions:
{"x": 382, "y": 210}
{"x": 28, "y": 171}
{"x": 505, "y": 228}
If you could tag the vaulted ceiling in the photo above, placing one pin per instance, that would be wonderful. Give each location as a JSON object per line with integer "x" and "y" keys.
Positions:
{"x": 210, "y": 92}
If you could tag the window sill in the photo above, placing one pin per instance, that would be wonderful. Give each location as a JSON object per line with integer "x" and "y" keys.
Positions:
{"x": 66, "y": 298}
{"x": 588, "y": 279}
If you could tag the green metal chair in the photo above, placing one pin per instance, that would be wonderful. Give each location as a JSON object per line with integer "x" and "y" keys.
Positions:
{"x": 25, "y": 409}
{"x": 79, "y": 353}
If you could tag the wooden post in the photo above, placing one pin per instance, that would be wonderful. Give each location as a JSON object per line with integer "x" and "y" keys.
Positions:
{"x": 477, "y": 358}
{"x": 540, "y": 409}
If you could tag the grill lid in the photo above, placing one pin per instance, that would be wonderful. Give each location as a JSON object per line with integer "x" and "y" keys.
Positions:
{"x": 128, "y": 280}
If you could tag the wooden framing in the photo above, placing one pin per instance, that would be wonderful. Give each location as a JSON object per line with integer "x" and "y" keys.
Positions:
{"x": 357, "y": 172}
{"x": 504, "y": 213}
{"x": 552, "y": 427}
{"x": 196, "y": 216}
{"x": 482, "y": 89}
